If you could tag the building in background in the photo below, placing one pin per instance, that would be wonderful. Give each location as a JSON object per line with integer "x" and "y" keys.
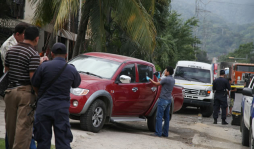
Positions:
{"x": 22, "y": 11}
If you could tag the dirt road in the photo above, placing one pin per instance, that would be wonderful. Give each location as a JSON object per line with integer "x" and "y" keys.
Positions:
{"x": 186, "y": 132}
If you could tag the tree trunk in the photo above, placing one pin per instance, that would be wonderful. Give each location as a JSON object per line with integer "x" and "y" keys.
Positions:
{"x": 82, "y": 29}
{"x": 82, "y": 44}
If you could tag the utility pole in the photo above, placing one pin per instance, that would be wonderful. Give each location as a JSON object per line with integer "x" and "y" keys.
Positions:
{"x": 201, "y": 14}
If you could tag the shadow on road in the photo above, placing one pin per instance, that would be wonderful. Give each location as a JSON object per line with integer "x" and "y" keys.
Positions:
{"x": 130, "y": 127}
{"x": 188, "y": 111}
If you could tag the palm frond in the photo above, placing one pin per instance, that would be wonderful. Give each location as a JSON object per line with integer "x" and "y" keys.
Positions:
{"x": 137, "y": 23}
{"x": 96, "y": 24}
{"x": 149, "y": 6}
{"x": 45, "y": 11}
{"x": 67, "y": 8}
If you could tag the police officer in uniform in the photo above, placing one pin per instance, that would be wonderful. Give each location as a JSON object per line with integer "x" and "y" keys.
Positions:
{"x": 53, "y": 104}
{"x": 220, "y": 87}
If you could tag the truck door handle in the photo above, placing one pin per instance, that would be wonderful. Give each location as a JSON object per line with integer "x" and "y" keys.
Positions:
{"x": 154, "y": 89}
{"x": 134, "y": 89}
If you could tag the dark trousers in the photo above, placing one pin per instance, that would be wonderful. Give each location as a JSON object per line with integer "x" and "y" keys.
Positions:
{"x": 59, "y": 119}
{"x": 220, "y": 103}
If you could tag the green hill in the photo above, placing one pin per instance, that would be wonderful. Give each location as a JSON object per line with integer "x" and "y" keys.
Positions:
{"x": 227, "y": 25}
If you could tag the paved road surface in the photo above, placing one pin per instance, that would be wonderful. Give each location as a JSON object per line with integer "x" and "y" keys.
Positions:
{"x": 186, "y": 132}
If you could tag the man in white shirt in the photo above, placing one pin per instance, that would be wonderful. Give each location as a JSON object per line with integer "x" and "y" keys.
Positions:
{"x": 18, "y": 36}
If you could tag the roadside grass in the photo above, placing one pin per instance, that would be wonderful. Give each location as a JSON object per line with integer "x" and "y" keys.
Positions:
{"x": 2, "y": 144}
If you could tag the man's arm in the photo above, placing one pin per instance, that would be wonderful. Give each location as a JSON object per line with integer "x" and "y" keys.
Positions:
{"x": 76, "y": 81}
{"x": 214, "y": 87}
{"x": 155, "y": 83}
{"x": 6, "y": 69}
{"x": 31, "y": 74}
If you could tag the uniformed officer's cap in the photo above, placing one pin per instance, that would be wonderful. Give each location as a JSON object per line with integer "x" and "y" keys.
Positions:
{"x": 59, "y": 48}
{"x": 222, "y": 72}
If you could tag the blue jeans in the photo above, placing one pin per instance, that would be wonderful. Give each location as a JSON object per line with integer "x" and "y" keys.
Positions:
{"x": 163, "y": 110}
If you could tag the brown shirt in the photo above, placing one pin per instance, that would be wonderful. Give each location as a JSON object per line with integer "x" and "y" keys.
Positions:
{"x": 21, "y": 59}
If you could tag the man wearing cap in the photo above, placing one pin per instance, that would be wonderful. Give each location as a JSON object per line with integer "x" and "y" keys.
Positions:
{"x": 54, "y": 101}
{"x": 220, "y": 87}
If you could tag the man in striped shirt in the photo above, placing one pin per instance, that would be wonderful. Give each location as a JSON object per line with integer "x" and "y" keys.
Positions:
{"x": 18, "y": 36}
{"x": 21, "y": 61}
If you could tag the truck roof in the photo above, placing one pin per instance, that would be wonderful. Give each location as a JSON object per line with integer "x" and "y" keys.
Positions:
{"x": 115, "y": 57}
{"x": 245, "y": 64}
{"x": 194, "y": 63}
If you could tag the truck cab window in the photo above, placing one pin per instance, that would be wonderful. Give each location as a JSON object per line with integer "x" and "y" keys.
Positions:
{"x": 143, "y": 72}
{"x": 129, "y": 70}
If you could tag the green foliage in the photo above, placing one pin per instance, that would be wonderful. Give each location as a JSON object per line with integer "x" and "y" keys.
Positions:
{"x": 244, "y": 50}
{"x": 176, "y": 41}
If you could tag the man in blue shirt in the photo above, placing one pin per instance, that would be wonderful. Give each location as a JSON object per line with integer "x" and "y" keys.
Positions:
{"x": 53, "y": 105}
{"x": 164, "y": 102}
{"x": 220, "y": 88}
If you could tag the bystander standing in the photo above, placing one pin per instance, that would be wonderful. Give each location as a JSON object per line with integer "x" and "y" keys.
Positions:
{"x": 21, "y": 61}
{"x": 52, "y": 81}
{"x": 164, "y": 103}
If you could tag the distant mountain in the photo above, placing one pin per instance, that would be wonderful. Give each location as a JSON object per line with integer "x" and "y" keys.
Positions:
{"x": 232, "y": 11}
{"x": 228, "y": 23}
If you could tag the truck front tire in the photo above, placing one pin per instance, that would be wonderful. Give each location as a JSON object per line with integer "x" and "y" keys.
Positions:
{"x": 207, "y": 111}
{"x": 94, "y": 118}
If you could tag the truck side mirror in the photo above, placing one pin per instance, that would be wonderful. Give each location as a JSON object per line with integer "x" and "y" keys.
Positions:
{"x": 125, "y": 79}
{"x": 247, "y": 92}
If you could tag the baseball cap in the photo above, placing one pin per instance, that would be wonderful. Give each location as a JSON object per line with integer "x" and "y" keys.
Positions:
{"x": 222, "y": 72}
{"x": 59, "y": 48}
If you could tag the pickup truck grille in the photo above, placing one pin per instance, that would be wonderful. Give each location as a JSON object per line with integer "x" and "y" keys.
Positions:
{"x": 191, "y": 91}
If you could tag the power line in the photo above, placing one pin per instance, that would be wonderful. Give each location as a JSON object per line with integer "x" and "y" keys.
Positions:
{"x": 233, "y": 3}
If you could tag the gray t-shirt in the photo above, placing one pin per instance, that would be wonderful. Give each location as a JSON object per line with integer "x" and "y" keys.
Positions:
{"x": 167, "y": 87}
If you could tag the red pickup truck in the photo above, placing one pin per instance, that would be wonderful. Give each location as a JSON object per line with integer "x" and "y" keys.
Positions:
{"x": 114, "y": 88}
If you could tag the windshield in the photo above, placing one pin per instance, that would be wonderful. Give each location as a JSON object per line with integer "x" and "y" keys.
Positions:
{"x": 245, "y": 68}
{"x": 193, "y": 74}
{"x": 95, "y": 66}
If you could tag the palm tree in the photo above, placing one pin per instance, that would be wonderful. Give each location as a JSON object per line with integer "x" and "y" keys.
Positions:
{"x": 134, "y": 16}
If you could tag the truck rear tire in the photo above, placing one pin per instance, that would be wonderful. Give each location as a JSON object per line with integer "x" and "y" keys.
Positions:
{"x": 94, "y": 118}
{"x": 245, "y": 134}
{"x": 207, "y": 111}
{"x": 151, "y": 121}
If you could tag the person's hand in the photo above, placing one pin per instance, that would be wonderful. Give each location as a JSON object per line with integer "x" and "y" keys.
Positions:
{"x": 44, "y": 58}
{"x": 159, "y": 76}
{"x": 147, "y": 78}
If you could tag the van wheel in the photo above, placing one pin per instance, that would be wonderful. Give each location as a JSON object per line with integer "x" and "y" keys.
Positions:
{"x": 245, "y": 134}
{"x": 151, "y": 121}
{"x": 207, "y": 111}
{"x": 94, "y": 118}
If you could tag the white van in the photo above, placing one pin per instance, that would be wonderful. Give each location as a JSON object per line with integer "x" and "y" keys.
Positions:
{"x": 197, "y": 79}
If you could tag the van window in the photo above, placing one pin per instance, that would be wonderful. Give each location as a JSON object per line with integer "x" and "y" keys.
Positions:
{"x": 144, "y": 71}
{"x": 193, "y": 74}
